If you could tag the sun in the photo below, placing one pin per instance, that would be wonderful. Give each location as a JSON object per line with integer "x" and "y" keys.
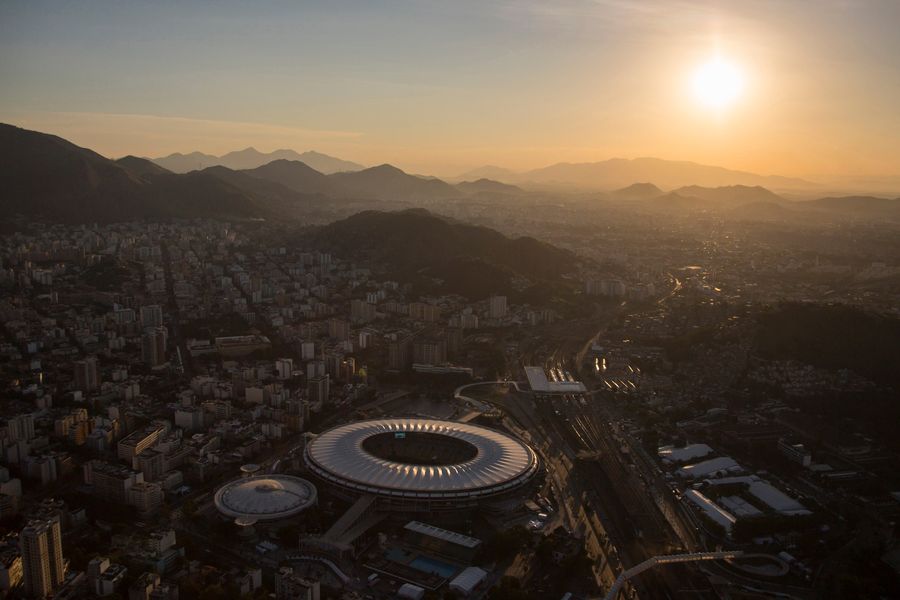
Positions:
{"x": 718, "y": 83}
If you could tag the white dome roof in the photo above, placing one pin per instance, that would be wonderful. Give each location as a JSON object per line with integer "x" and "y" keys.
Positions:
{"x": 265, "y": 497}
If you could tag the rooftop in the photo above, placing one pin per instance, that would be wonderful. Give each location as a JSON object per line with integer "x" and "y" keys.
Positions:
{"x": 537, "y": 379}
{"x": 421, "y": 458}
{"x": 443, "y": 534}
{"x": 265, "y": 497}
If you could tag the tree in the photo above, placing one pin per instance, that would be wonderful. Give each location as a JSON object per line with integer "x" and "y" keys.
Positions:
{"x": 506, "y": 544}
{"x": 509, "y": 589}
{"x": 544, "y": 551}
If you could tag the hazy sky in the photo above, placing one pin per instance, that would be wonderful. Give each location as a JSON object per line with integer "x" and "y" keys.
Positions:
{"x": 442, "y": 86}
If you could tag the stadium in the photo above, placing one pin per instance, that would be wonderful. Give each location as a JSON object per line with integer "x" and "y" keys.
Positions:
{"x": 421, "y": 464}
{"x": 269, "y": 497}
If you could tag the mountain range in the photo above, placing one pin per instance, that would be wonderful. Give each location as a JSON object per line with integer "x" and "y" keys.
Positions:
{"x": 45, "y": 176}
{"x": 619, "y": 172}
{"x": 251, "y": 158}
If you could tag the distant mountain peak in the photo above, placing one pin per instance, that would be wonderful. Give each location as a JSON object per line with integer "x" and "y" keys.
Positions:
{"x": 492, "y": 172}
{"x": 639, "y": 190}
{"x": 141, "y": 167}
{"x": 386, "y": 168}
{"x": 295, "y": 175}
{"x": 485, "y": 185}
{"x": 387, "y": 182}
{"x": 251, "y": 158}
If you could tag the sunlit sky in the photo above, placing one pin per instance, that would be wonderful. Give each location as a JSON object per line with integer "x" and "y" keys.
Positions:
{"x": 440, "y": 87}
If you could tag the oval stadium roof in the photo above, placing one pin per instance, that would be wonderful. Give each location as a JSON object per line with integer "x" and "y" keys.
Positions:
{"x": 500, "y": 461}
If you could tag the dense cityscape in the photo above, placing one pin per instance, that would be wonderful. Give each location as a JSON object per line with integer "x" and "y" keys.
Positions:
{"x": 149, "y": 364}
{"x": 290, "y": 375}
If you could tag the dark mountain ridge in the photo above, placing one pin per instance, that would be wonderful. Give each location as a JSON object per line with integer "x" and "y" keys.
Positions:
{"x": 387, "y": 182}
{"x": 296, "y": 176}
{"x": 416, "y": 241}
{"x": 46, "y": 176}
{"x": 141, "y": 166}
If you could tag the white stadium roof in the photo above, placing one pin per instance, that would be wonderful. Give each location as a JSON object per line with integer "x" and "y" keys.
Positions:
{"x": 498, "y": 462}
{"x": 265, "y": 497}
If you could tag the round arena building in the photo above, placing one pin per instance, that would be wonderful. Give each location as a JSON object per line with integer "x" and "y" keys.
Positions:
{"x": 265, "y": 497}
{"x": 423, "y": 464}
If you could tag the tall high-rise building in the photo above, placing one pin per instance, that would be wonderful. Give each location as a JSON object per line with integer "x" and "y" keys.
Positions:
{"x": 86, "y": 375}
{"x": 454, "y": 337}
{"x": 361, "y": 311}
{"x": 284, "y": 368}
{"x": 43, "y": 566}
{"x": 400, "y": 354}
{"x": 333, "y": 364}
{"x": 113, "y": 483}
{"x": 498, "y": 307}
{"x": 319, "y": 389}
{"x": 124, "y": 316}
{"x": 307, "y": 350}
{"x": 151, "y": 316}
{"x": 146, "y": 497}
{"x": 20, "y": 428}
{"x": 430, "y": 351}
{"x": 153, "y": 346}
{"x": 605, "y": 287}
{"x": 347, "y": 369}
{"x": 420, "y": 311}
{"x": 152, "y": 463}
{"x": 315, "y": 368}
{"x": 338, "y": 329}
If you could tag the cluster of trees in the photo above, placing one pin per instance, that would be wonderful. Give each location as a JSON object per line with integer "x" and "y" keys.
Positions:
{"x": 504, "y": 545}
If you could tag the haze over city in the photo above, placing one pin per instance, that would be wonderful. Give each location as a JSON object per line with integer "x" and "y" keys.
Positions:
{"x": 500, "y": 300}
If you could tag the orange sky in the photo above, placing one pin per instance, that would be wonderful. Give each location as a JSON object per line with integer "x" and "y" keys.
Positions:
{"x": 444, "y": 87}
